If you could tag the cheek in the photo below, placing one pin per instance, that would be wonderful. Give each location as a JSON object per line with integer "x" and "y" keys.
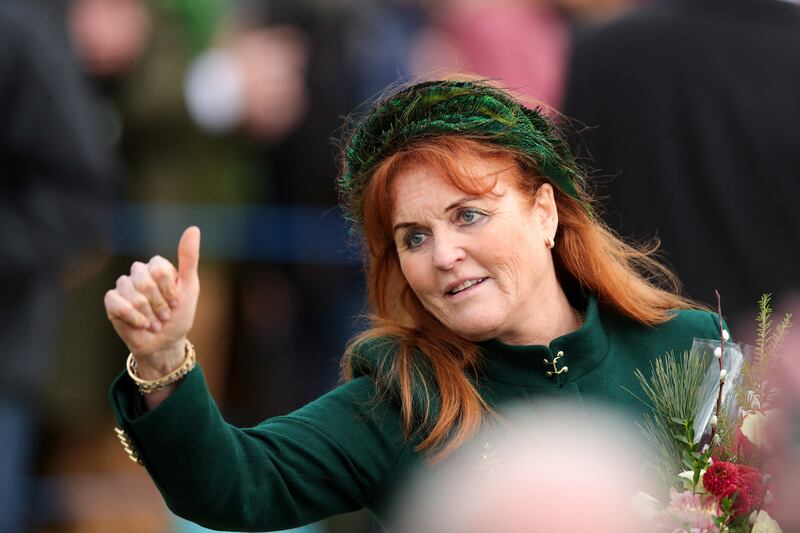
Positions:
{"x": 416, "y": 272}
{"x": 510, "y": 275}
{"x": 509, "y": 263}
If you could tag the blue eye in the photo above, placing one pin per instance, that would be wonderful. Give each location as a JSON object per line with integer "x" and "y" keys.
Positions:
{"x": 470, "y": 216}
{"x": 414, "y": 239}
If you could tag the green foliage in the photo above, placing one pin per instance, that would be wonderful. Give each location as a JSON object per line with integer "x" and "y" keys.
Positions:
{"x": 692, "y": 457}
{"x": 671, "y": 391}
{"x": 756, "y": 372}
{"x": 726, "y": 523}
{"x": 764, "y": 324}
{"x": 725, "y": 515}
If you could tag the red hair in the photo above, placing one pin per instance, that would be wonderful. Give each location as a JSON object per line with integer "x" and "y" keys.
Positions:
{"x": 625, "y": 278}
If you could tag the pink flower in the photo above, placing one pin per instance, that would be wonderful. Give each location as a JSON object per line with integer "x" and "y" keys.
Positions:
{"x": 689, "y": 512}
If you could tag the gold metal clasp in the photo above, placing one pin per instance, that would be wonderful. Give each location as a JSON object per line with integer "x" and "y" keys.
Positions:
{"x": 127, "y": 445}
{"x": 556, "y": 371}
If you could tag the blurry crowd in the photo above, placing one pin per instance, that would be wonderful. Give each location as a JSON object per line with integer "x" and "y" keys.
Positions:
{"x": 125, "y": 121}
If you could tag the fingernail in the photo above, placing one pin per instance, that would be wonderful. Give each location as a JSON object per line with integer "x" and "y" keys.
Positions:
{"x": 164, "y": 315}
{"x": 173, "y": 303}
{"x": 155, "y": 326}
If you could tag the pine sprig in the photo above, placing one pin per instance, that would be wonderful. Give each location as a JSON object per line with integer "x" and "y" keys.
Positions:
{"x": 776, "y": 338}
{"x": 764, "y": 324}
{"x": 672, "y": 392}
{"x": 757, "y": 392}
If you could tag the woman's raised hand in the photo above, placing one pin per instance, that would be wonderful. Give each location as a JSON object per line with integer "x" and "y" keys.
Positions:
{"x": 153, "y": 308}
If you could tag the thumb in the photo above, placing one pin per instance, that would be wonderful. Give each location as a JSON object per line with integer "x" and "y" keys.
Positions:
{"x": 189, "y": 253}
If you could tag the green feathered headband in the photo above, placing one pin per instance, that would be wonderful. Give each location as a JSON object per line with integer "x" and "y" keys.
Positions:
{"x": 473, "y": 109}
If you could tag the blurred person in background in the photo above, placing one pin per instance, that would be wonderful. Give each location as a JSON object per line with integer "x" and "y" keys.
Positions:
{"x": 281, "y": 74}
{"x": 783, "y": 431}
{"x": 490, "y": 280}
{"x": 691, "y": 106}
{"x": 109, "y": 36}
{"x": 521, "y": 43}
{"x": 585, "y": 14}
{"x": 382, "y": 41}
{"x": 56, "y": 177}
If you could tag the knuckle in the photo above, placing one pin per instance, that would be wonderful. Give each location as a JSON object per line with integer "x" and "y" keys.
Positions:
{"x": 115, "y": 312}
{"x": 159, "y": 273}
{"x": 140, "y": 302}
{"x": 109, "y": 296}
{"x": 144, "y": 283}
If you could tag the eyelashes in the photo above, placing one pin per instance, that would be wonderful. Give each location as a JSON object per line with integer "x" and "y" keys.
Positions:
{"x": 470, "y": 216}
{"x": 414, "y": 238}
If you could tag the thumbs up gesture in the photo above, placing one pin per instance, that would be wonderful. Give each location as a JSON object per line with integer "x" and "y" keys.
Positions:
{"x": 153, "y": 308}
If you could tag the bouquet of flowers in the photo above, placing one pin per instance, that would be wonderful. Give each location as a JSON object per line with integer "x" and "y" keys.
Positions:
{"x": 711, "y": 410}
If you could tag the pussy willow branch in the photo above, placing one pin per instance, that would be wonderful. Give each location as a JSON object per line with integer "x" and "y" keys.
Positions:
{"x": 721, "y": 360}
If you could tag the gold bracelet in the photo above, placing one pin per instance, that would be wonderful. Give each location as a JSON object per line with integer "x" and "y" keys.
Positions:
{"x": 149, "y": 386}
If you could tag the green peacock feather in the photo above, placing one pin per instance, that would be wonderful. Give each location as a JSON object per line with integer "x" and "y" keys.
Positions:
{"x": 473, "y": 109}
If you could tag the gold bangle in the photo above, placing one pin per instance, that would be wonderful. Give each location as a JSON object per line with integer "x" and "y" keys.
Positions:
{"x": 149, "y": 386}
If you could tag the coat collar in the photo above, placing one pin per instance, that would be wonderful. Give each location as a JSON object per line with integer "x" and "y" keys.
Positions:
{"x": 582, "y": 350}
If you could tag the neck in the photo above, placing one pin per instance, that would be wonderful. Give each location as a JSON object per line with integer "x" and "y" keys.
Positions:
{"x": 552, "y": 317}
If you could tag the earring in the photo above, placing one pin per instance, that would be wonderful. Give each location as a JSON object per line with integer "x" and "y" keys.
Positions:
{"x": 549, "y": 242}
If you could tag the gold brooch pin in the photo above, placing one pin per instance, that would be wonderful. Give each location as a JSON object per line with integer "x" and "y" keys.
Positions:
{"x": 556, "y": 371}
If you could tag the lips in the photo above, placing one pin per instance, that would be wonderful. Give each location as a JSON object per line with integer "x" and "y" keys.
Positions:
{"x": 461, "y": 286}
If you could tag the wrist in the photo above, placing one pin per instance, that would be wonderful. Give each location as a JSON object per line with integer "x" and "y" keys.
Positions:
{"x": 164, "y": 381}
{"x": 162, "y": 362}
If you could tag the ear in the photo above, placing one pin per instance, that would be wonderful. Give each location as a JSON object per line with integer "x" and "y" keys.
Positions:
{"x": 546, "y": 210}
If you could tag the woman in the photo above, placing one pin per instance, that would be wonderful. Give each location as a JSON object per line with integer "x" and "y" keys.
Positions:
{"x": 490, "y": 280}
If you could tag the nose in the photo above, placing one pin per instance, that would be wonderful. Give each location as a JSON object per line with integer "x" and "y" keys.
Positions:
{"x": 447, "y": 252}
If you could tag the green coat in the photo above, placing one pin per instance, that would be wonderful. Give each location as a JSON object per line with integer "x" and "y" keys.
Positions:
{"x": 343, "y": 451}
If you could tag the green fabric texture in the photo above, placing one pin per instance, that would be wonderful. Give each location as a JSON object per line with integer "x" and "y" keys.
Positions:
{"x": 345, "y": 451}
{"x": 472, "y": 109}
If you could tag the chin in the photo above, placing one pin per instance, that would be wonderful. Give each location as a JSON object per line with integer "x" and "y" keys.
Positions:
{"x": 477, "y": 330}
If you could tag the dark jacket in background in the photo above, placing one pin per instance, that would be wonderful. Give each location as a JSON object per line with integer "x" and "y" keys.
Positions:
{"x": 696, "y": 105}
{"x": 55, "y": 180}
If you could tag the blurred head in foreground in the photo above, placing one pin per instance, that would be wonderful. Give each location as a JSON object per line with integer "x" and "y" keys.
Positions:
{"x": 783, "y": 431}
{"x": 553, "y": 467}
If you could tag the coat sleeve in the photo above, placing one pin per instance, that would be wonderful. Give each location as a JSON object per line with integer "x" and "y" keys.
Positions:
{"x": 329, "y": 457}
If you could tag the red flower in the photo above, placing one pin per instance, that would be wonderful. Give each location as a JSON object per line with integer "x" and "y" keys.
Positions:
{"x": 751, "y": 486}
{"x": 723, "y": 479}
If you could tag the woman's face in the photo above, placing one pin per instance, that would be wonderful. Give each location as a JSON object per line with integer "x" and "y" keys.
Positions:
{"x": 478, "y": 264}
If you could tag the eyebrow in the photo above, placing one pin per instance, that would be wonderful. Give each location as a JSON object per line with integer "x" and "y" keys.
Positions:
{"x": 458, "y": 203}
